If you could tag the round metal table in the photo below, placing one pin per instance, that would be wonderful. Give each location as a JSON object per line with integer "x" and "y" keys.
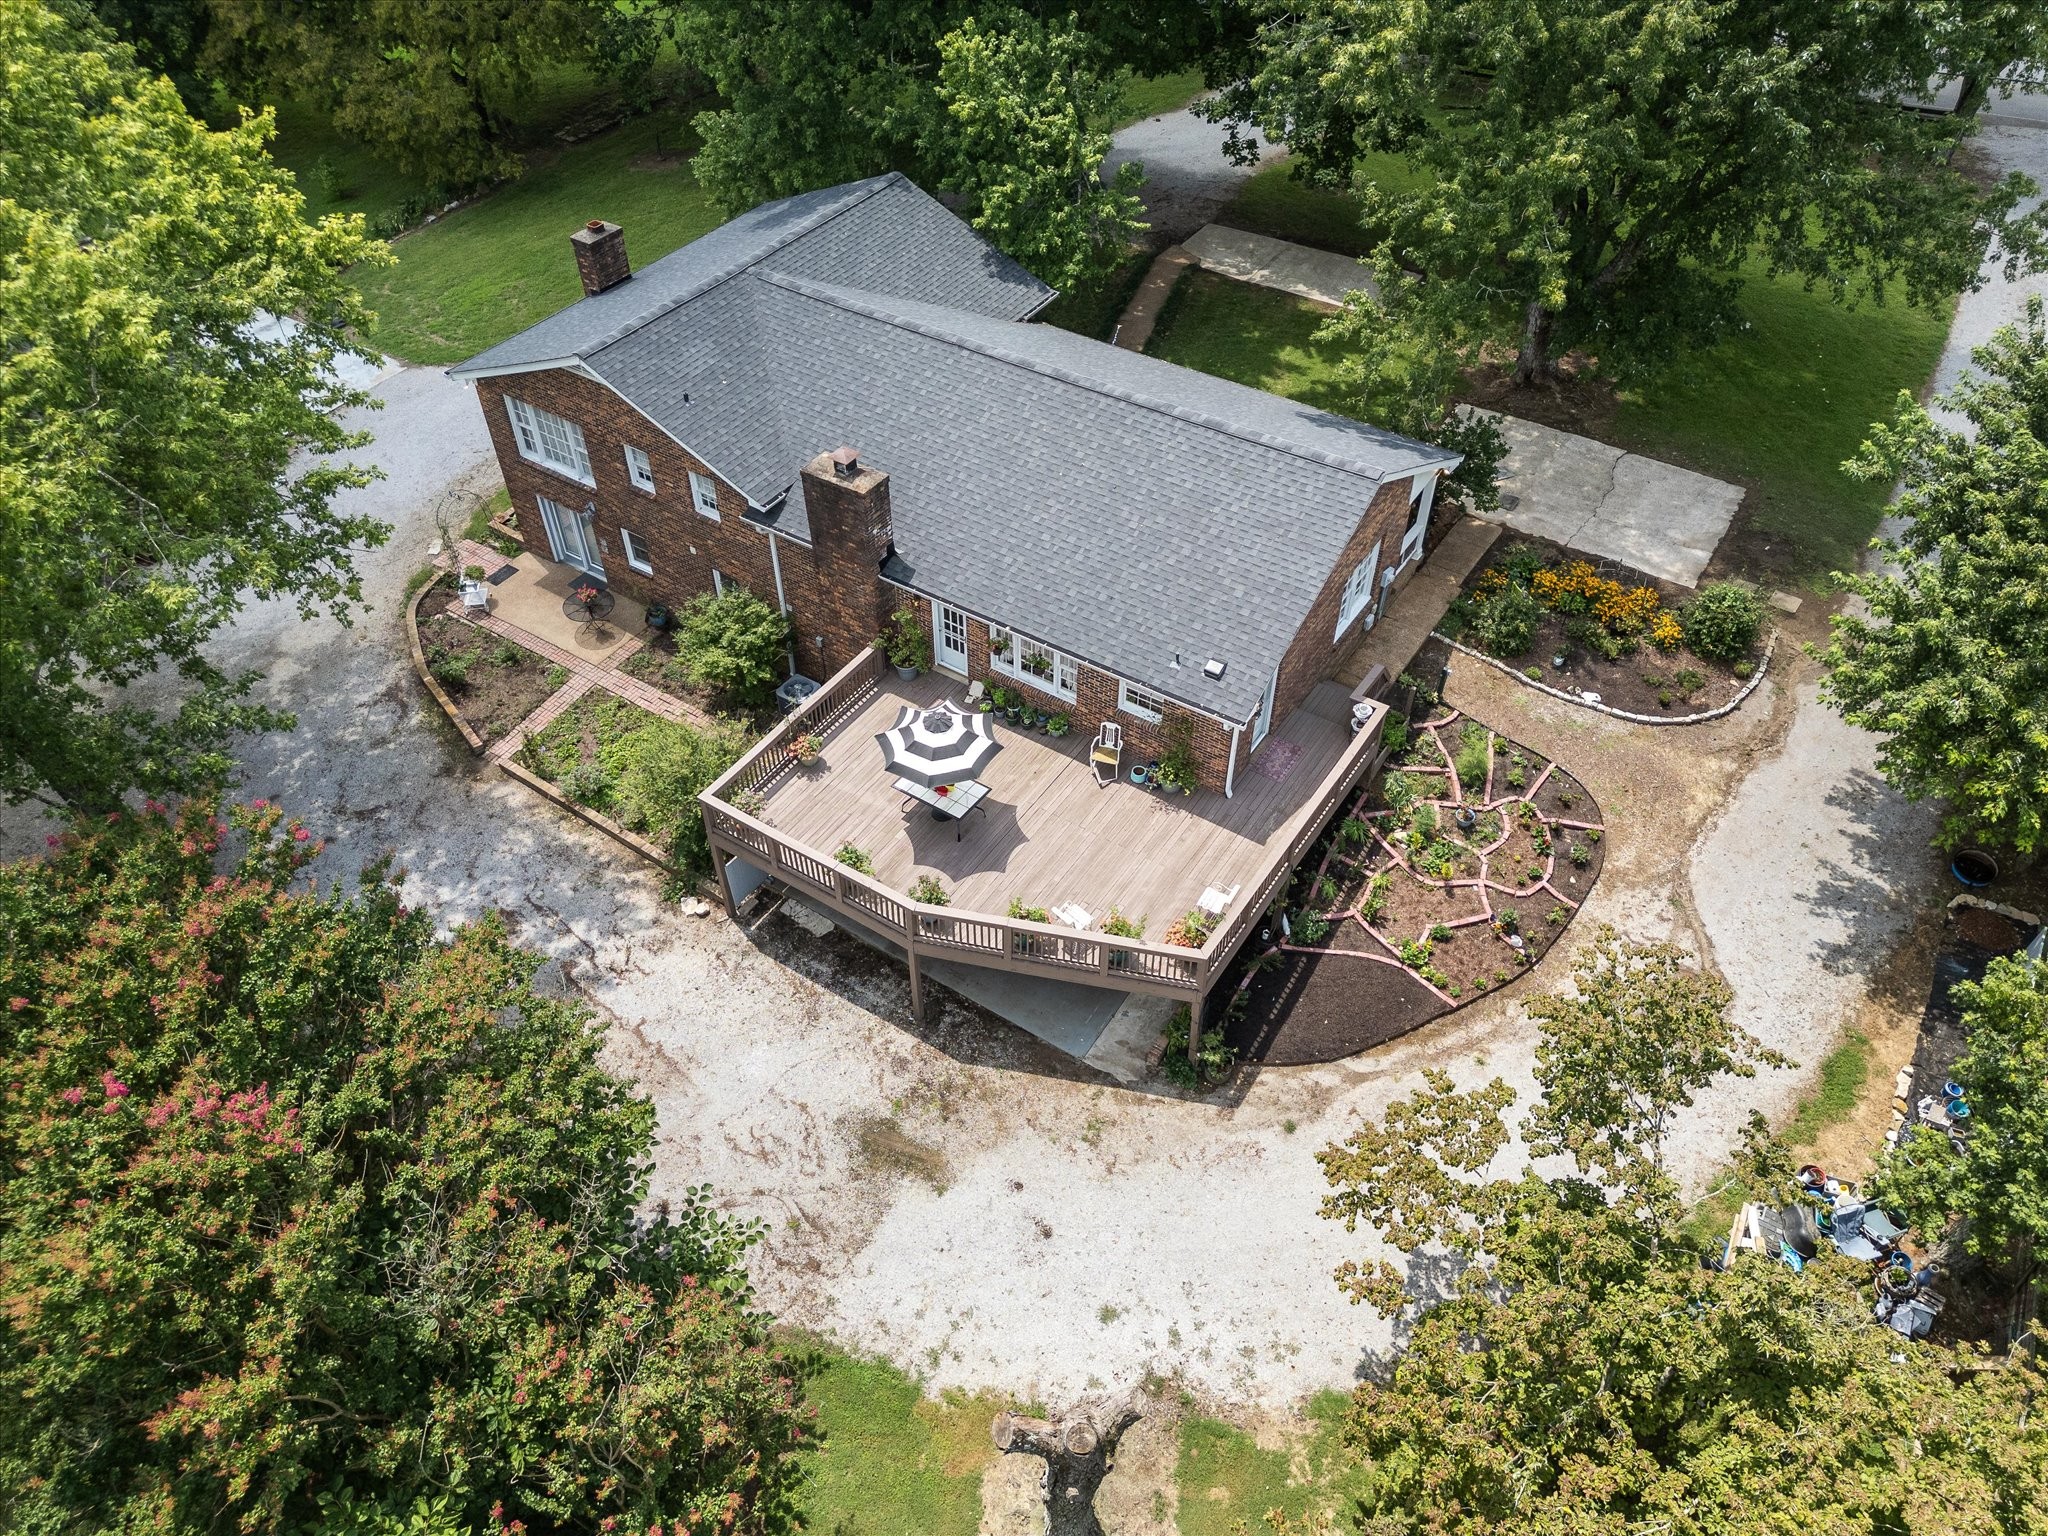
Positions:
{"x": 599, "y": 606}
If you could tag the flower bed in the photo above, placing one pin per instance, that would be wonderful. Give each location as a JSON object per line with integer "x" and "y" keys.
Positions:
{"x": 1642, "y": 646}
{"x": 1381, "y": 940}
{"x": 494, "y": 683}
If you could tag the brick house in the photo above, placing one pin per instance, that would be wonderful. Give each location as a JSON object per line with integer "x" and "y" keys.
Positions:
{"x": 1114, "y": 536}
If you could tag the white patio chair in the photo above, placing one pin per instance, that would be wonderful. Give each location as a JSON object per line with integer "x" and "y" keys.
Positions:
{"x": 1107, "y": 753}
{"x": 476, "y": 596}
{"x": 975, "y": 690}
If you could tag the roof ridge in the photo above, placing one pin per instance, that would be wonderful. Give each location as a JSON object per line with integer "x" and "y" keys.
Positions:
{"x": 861, "y": 302}
{"x": 809, "y": 225}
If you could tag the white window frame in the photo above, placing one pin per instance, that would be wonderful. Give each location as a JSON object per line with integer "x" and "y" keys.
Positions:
{"x": 1064, "y": 679}
{"x": 704, "y": 495}
{"x": 717, "y": 582}
{"x": 636, "y": 551}
{"x": 1127, "y": 696}
{"x": 639, "y": 469}
{"x": 551, "y": 441}
{"x": 1360, "y": 589}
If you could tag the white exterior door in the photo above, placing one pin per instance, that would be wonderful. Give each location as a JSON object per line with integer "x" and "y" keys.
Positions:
{"x": 949, "y": 638}
{"x": 572, "y": 537}
{"x": 1262, "y": 722}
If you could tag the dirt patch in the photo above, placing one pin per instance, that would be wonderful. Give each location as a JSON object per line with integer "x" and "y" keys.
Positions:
{"x": 1562, "y": 798}
{"x": 1307, "y": 1009}
{"x": 1987, "y": 930}
{"x": 882, "y": 1146}
{"x": 495, "y": 683}
{"x": 1414, "y": 906}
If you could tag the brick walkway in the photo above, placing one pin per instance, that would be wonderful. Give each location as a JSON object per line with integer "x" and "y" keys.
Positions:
{"x": 584, "y": 674}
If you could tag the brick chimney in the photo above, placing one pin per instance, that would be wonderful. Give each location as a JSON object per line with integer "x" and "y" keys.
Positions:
{"x": 601, "y": 256}
{"x": 848, "y": 506}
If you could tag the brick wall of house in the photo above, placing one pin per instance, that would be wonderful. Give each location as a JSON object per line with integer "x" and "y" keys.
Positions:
{"x": 1095, "y": 700}
{"x": 1318, "y": 647}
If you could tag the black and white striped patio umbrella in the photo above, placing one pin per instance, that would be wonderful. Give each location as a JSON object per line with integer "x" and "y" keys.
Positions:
{"x": 938, "y": 746}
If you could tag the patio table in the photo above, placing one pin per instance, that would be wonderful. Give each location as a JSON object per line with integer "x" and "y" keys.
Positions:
{"x": 579, "y": 612}
{"x": 952, "y": 806}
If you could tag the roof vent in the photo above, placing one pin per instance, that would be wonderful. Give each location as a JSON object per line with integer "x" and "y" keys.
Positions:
{"x": 1213, "y": 670}
{"x": 845, "y": 463}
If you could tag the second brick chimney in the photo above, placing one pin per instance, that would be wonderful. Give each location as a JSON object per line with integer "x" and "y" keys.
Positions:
{"x": 847, "y": 503}
{"x": 601, "y": 256}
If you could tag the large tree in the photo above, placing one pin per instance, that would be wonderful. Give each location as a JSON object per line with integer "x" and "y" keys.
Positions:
{"x": 1950, "y": 663}
{"x": 1570, "y": 1366}
{"x": 1996, "y": 1181}
{"x": 822, "y": 91}
{"x": 427, "y": 83}
{"x": 1026, "y": 123}
{"x": 1595, "y": 175}
{"x": 309, "y": 1221}
{"x": 147, "y": 432}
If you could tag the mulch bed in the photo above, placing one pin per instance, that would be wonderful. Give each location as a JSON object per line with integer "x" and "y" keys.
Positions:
{"x": 658, "y": 665}
{"x": 501, "y": 683}
{"x": 1307, "y": 1009}
{"x": 1328, "y": 1000}
{"x": 1643, "y": 683}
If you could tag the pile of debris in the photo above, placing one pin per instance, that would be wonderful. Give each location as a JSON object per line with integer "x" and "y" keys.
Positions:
{"x": 1825, "y": 1209}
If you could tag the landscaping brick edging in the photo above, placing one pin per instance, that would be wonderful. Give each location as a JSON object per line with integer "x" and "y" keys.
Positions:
{"x": 419, "y": 665}
{"x": 1762, "y": 666}
{"x": 597, "y": 819}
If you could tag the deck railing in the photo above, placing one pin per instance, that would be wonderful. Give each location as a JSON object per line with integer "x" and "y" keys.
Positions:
{"x": 980, "y": 938}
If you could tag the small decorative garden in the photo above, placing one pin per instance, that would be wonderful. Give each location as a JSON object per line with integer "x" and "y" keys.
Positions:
{"x": 1443, "y": 880}
{"x": 1610, "y": 635}
{"x": 637, "y": 769}
{"x": 494, "y": 682}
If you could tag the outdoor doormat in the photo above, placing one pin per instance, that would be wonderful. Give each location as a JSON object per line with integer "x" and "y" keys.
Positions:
{"x": 502, "y": 573}
{"x": 1441, "y": 882}
{"x": 1277, "y": 761}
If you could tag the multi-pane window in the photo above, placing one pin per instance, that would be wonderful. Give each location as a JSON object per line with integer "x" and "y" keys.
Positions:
{"x": 636, "y": 551}
{"x": 1358, "y": 591}
{"x": 704, "y": 494}
{"x": 640, "y": 468}
{"x": 548, "y": 439}
{"x": 1146, "y": 705}
{"x": 1033, "y": 661}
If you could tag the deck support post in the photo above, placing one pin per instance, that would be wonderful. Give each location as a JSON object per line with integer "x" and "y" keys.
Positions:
{"x": 916, "y": 986}
{"x": 720, "y": 859}
{"x": 1201, "y": 1001}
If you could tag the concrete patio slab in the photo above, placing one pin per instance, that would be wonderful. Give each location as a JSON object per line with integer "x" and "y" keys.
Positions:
{"x": 1611, "y": 504}
{"x": 1301, "y": 270}
{"x": 532, "y": 597}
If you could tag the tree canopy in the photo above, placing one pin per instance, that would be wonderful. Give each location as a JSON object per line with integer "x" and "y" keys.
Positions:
{"x": 1570, "y": 1366}
{"x": 1597, "y": 176}
{"x": 1950, "y": 663}
{"x": 1025, "y": 127}
{"x": 147, "y": 433}
{"x": 312, "y": 1222}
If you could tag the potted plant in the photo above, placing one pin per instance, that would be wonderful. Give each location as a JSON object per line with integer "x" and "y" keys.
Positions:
{"x": 807, "y": 749}
{"x": 906, "y": 642}
{"x": 472, "y": 573}
{"x": 1059, "y": 725}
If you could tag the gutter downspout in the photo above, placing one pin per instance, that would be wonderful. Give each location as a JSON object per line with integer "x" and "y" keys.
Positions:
{"x": 782, "y": 607}
{"x": 1230, "y": 771}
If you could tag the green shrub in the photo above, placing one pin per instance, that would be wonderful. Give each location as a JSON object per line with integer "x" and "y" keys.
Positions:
{"x": 1394, "y": 736}
{"x": 588, "y": 784}
{"x": 927, "y": 889}
{"x": 1398, "y": 790}
{"x": 1026, "y": 914}
{"x": 1120, "y": 926}
{"x": 1352, "y": 832}
{"x": 1505, "y": 621}
{"x": 662, "y": 768}
{"x": 1415, "y": 954}
{"x": 1689, "y": 681}
{"x": 905, "y": 640}
{"x": 733, "y": 643}
{"x": 1211, "y": 1063}
{"x": 1310, "y": 928}
{"x": 450, "y": 668}
{"x": 506, "y": 654}
{"x": 1521, "y": 564}
{"x": 1744, "y": 669}
{"x": 855, "y": 858}
{"x": 1722, "y": 623}
{"x": 1439, "y": 932}
{"x": 1474, "y": 754}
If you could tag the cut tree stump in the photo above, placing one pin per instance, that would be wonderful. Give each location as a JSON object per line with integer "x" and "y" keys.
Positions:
{"x": 1079, "y": 1451}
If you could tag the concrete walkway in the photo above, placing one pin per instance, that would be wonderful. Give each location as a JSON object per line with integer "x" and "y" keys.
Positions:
{"x": 1416, "y": 609}
{"x": 1611, "y": 504}
{"x": 1134, "y": 329}
{"x": 1302, "y": 270}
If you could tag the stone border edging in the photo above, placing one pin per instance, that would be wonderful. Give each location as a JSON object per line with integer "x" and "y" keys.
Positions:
{"x": 596, "y": 819}
{"x": 1763, "y": 666}
{"x": 419, "y": 665}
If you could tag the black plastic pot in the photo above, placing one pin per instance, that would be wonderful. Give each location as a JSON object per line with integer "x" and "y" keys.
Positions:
{"x": 1974, "y": 867}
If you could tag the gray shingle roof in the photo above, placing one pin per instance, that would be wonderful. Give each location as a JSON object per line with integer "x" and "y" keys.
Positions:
{"x": 1139, "y": 515}
{"x": 885, "y": 235}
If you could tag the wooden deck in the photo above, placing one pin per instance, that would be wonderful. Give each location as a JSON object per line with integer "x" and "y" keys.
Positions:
{"x": 1048, "y": 835}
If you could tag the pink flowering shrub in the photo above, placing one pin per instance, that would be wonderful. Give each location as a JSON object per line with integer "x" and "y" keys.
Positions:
{"x": 312, "y": 1222}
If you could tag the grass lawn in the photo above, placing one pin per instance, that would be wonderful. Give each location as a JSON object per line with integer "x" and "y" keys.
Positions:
{"x": 1156, "y": 95}
{"x": 1780, "y": 406}
{"x": 1273, "y": 202}
{"x": 490, "y": 270}
{"x": 1225, "y": 1478}
{"x": 893, "y": 1463}
{"x": 1257, "y": 336}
